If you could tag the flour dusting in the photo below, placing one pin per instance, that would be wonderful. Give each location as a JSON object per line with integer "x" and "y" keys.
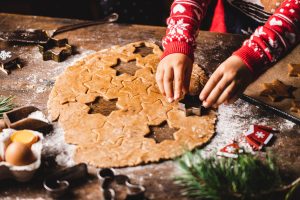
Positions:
{"x": 235, "y": 119}
{"x": 38, "y": 115}
{"x": 55, "y": 145}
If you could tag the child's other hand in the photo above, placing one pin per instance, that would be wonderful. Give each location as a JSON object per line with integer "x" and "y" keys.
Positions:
{"x": 173, "y": 75}
{"x": 228, "y": 81}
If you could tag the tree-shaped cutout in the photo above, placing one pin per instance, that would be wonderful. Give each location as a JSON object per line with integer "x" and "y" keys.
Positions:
{"x": 161, "y": 132}
{"x": 102, "y": 106}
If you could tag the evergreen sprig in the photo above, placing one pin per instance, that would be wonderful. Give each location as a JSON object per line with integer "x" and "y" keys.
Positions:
{"x": 224, "y": 178}
{"x": 6, "y": 104}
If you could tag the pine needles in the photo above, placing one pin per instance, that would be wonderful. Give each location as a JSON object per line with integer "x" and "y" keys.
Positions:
{"x": 6, "y": 104}
{"x": 212, "y": 178}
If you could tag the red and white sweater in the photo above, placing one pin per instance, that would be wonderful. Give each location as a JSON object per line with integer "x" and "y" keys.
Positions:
{"x": 266, "y": 45}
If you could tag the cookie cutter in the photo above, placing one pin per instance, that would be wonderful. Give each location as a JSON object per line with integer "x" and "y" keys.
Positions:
{"x": 48, "y": 50}
{"x": 107, "y": 177}
{"x": 8, "y": 60}
{"x": 191, "y": 105}
{"x": 62, "y": 181}
{"x": 18, "y": 119}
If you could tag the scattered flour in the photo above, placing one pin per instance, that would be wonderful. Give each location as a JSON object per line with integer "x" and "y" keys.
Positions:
{"x": 234, "y": 120}
{"x": 38, "y": 115}
{"x": 54, "y": 145}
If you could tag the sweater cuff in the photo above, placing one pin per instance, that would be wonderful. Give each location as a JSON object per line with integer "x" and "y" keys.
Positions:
{"x": 252, "y": 59}
{"x": 179, "y": 47}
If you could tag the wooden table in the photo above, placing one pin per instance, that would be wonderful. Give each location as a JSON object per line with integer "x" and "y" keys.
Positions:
{"x": 32, "y": 84}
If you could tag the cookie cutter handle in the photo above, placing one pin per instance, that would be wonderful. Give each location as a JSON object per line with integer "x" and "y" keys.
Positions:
{"x": 109, "y": 19}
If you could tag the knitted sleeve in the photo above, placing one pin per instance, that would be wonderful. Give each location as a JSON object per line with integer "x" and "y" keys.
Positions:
{"x": 273, "y": 40}
{"x": 183, "y": 25}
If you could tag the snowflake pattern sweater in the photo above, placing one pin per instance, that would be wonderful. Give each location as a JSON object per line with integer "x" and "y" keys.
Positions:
{"x": 266, "y": 45}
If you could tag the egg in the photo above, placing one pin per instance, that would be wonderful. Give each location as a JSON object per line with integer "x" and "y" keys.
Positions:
{"x": 25, "y": 136}
{"x": 19, "y": 154}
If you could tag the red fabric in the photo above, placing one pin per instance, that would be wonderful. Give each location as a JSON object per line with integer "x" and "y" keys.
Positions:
{"x": 218, "y": 21}
{"x": 267, "y": 44}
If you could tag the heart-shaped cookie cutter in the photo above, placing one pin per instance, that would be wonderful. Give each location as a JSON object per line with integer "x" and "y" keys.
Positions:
{"x": 107, "y": 177}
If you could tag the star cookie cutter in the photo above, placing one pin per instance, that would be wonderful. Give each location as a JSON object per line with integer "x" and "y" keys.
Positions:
{"x": 8, "y": 60}
{"x": 60, "y": 182}
{"x": 107, "y": 177}
{"x": 56, "y": 49}
{"x": 191, "y": 105}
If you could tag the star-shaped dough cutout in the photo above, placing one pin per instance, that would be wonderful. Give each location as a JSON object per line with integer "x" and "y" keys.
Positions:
{"x": 295, "y": 107}
{"x": 294, "y": 70}
{"x": 277, "y": 91}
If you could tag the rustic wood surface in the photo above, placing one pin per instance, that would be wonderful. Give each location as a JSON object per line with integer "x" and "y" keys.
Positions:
{"x": 31, "y": 86}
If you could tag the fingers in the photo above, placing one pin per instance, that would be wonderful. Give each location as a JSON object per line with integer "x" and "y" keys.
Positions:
{"x": 216, "y": 92}
{"x": 178, "y": 82}
{"x": 160, "y": 79}
{"x": 187, "y": 79}
{"x": 168, "y": 83}
{"x": 210, "y": 85}
{"x": 232, "y": 87}
{"x": 235, "y": 95}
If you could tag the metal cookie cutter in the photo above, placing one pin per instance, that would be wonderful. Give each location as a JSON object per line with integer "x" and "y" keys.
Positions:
{"x": 107, "y": 178}
{"x": 191, "y": 105}
{"x": 60, "y": 182}
{"x": 18, "y": 119}
{"x": 8, "y": 60}
{"x": 56, "y": 49}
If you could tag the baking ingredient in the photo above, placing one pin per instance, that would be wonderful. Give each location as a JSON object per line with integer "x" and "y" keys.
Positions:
{"x": 19, "y": 154}
{"x": 39, "y": 115}
{"x": 277, "y": 90}
{"x": 119, "y": 139}
{"x": 294, "y": 70}
{"x": 24, "y": 136}
{"x": 295, "y": 107}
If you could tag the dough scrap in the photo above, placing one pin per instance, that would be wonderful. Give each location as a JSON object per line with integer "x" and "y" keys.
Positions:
{"x": 277, "y": 91}
{"x": 294, "y": 70}
{"x": 118, "y": 140}
{"x": 295, "y": 107}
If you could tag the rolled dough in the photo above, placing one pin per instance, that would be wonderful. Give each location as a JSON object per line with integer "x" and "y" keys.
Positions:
{"x": 118, "y": 140}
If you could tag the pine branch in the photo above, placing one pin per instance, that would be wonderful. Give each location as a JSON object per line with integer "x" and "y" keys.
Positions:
{"x": 6, "y": 105}
{"x": 211, "y": 178}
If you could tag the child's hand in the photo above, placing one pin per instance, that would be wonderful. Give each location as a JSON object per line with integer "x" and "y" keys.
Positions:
{"x": 174, "y": 71}
{"x": 225, "y": 85}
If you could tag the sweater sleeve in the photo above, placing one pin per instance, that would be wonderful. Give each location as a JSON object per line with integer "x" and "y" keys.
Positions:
{"x": 272, "y": 41}
{"x": 183, "y": 25}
